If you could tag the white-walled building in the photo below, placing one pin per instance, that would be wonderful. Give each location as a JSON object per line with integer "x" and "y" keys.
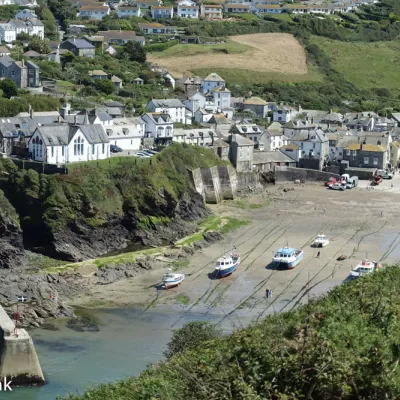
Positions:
{"x": 195, "y": 101}
{"x": 173, "y": 107}
{"x": 126, "y": 133}
{"x": 211, "y": 11}
{"x": 158, "y": 125}
{"x": 25, "y": 14}
{"x": 62, "y": 144}
{"x": 211, "y": 82}
{"x": 8, "y": 33}
{"x": 199, "y": 137}
{"x": 128, "y": 11}
{"x": 94, "y": 11}
{"x": 162, "y": 12}
{"x": 285, "y": 114}
{"x": 187, "y": 9}
{"x": 221, "y": 97}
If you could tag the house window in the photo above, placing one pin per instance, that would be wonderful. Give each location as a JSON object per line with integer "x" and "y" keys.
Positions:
{"x": 93, "y": 148}
{"x": 62, "y": 151}
{"x": 248, "y": 151}
{"x": 78, "y": 146}
{"x": 313, "y": 145}
{"x": 52, "y": 151}
{"x": 168, "y": 131}
{"x": 160, "y": 131}
{"x": 31, "y": 72}
{"x": 301, "y": 144}
{"x": 375, "y": 161}
{"x": 12, "y": 73}
{"x": 103, "y": 148}
{"x": 348, "y": 152}
{"x": 366, "y": 160}
{"x": 354, "y": 153}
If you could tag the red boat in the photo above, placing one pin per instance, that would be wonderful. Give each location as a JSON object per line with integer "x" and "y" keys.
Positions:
{"x": 330, "y": 181}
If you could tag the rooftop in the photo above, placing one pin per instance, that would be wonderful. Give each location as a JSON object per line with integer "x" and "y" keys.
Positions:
{"x": 366, "y": 147}
{"x": 255, "y": 101}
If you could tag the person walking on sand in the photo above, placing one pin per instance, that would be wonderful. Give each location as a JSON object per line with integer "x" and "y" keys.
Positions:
{"x": 270, "y": 294}
{"x": 324, "y": 210}
{"x": 318, "y": 254}
{"x": 267, "y": 293}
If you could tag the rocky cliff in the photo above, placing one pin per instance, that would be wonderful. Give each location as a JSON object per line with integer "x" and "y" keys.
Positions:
{"x": 99, "y": 206}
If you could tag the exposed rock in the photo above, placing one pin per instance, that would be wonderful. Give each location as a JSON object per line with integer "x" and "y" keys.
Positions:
{"x": 83, "y": 324}
{"x": 341, "y": 258}
{"x": 11, "y": 243}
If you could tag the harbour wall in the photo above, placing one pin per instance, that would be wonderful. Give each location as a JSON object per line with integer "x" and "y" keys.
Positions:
{"x": 19, "y": 362}
{"x": 216, "y": 183}
{"x": 291, "y": 174}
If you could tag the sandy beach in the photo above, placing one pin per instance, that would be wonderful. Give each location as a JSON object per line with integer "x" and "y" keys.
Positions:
{"x": 360, "y": 224}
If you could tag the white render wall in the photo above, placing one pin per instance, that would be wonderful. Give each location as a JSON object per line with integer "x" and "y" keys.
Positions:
{"x": 132, "y": 143}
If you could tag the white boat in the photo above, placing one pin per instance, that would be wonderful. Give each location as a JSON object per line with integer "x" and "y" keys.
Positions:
{"x": 321, "y": 241}
{"x": 365, "y": 267}
{"x": 287, "y": 257}
{"x": 171, "y": 279}
{"x": 226, "y": 265}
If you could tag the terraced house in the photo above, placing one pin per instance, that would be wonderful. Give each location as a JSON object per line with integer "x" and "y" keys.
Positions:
{"x": 187, "y": 9}
{"x": 128, "y": 11}
{"x": 94, "y": 11}
{"x": 24, "y": 73}
{"x": 211, "y": 11}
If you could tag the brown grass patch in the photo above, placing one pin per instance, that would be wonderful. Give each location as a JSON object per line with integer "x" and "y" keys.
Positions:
{"x": 268, "y": 52}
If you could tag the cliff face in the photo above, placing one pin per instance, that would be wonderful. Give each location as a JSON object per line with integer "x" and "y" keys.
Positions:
{"x": 99, "y": 206}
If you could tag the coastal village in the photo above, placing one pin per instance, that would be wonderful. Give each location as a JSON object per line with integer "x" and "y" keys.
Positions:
{"x": 207, "y": 115}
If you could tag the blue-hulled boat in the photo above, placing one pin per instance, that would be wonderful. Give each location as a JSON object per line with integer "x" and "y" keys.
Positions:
{"x": 226, "y": 265}
{"x": 287, "y": 257}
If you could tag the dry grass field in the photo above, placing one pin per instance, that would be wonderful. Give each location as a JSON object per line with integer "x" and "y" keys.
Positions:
{"x": 263, "y": 56}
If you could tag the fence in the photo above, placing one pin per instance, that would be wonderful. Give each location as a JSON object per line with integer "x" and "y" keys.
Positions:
{"x": 42, "y": 168}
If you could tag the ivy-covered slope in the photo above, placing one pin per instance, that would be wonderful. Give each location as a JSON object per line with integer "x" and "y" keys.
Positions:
{"x": 343, "y": 346}
{"x": 100, "y": 205}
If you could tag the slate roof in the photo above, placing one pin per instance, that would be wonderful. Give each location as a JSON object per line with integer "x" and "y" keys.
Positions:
{"x": 94, "y": 133}
{"x": 156, "y": 116}
{"x": 247, "y": 128}
{"x": 167, "y": 103}
{"x": 263, "y": 157}
{"x": 80, "y": 43}
{"x": 241, "y": 140}
{"x": 55, "y": 135}
{"x": 213, "y": 77}
{"x": 306, "y": 136}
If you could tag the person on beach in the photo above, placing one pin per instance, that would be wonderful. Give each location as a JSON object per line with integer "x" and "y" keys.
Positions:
{"x": 318, "y": 254}
{"x": 324, "y": 210}
{"x": 267, "y": 293}
{"x": 270, "y": 294}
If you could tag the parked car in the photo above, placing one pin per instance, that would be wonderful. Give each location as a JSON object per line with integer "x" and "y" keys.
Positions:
{"x": 152, "y": 152}
{"x": 330, "y": 181}
{"x": 115, "y": 149}
{"x": 385, "y": 173}
{"x": 142, "y": 155}
{"x": 338, "y": 186}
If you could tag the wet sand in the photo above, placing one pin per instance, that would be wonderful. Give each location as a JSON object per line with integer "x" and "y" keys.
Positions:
{"x": 352, "y": 221}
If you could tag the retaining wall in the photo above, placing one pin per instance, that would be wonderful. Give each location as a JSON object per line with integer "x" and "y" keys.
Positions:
{"x": 19, "y": 362}
{"x": 228, "y": 181}
{"x": 211, "y": 184}
{"x": 290, "y": 174}
{"x": 248, "y": 179}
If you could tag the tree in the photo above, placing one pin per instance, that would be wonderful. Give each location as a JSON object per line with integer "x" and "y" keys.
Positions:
{"x": 136, "y": 52}
{"x": 49, "y": 22}
{"x": 190, "y": 336}
{"x": 9, "y": 87}
{"x": 105, "y": 86}
{"x": 39, "y": 45}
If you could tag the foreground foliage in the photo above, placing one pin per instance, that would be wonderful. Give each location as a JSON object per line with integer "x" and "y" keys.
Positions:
{"x": 342, "y": 346}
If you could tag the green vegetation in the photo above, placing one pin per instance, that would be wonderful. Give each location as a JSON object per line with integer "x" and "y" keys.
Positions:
{"x": 223, "y": 225}
{"x": 366, "y": 65}
{"x": 248, "y": 77}
{"x": 183, "y": 299}
{"x": 343, "y": 346}
{"x": 178, "y": 265}
{"x": 184, "y": 50}
{"x": 92, "y": 193}
{"x": 161, "y": 46}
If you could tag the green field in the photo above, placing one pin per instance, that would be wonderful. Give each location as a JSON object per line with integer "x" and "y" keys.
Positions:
{"x": 184, "y": 50}
{"x": 248, "y": 77}
{"x": 366, "y": 65}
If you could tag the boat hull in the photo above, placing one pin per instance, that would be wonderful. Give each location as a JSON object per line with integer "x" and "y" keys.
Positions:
{"x": 321, "y": 244}
{"x": 226, "y": 272}
{"x": 290, "y": 264}
{"x": 172, "y": 284}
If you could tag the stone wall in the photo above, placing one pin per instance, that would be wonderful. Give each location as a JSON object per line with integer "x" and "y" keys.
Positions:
{"x": 211, "y": 184}
{"x": 290, "y": 174}
{"x": 248, "y": 179}
{"x": 228, "y": 181}
{"x": 18, "y": 359}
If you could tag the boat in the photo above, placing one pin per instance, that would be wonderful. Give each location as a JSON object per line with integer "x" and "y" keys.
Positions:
{"x": 321, "y": 241}
{"x": 227, "y": 264}
{"x": 171, "y": 279}
{"x": 365, "y": 267}
{"x": 287, "y": 257}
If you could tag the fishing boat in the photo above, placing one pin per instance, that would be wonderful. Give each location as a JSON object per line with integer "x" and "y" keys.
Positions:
{"x": 365, "y": 267}
{"x": 287, "y": 257}
{"x": 171, "y": 279}
{"x": 227, "y": 264}
{"x": 321, "y": 241}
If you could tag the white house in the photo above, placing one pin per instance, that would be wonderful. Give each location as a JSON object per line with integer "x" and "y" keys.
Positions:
{"x": 237, "y": 8}
{"x": 94, "y": 12}
{"x": 25, "y": 14}
{"x": 199, "y": 137}
{"x": 211, "y": 11}
{"x": 291, "y": 150}
{"x": 8, "y": 33}
{"x": 35, "y": 27}
{"x": 126, "y": 133}
{"x": 187, "y": 11}
{"x": 128, "y": 11}
{"x": 62, "y": 144}
{"x": 312, "y": 143}
{"x": 285, "y": 114}
{"x": 268, "y": 8}
{"x": 163, "y": 12}
{"x": 173, "y": 107}
{"x": 195, "y": 101}
{"x": 221, "y": 97}
{"x": 202, "y": 116}
{"x": 249, "y": 131}
{"x": 158, "y": 125}
{"x": 211, "y": 82}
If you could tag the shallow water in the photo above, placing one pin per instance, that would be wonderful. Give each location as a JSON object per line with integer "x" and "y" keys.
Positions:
{"x": 127, "y": 342}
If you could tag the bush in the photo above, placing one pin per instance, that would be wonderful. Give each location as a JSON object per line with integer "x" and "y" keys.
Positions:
{"x": 190, "y": 336}
{"x": 161, "y": 46}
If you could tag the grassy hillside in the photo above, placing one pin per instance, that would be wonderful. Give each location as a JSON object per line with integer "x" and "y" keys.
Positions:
{"x": 366, "y": 65}
{"x": 342, "y": 346}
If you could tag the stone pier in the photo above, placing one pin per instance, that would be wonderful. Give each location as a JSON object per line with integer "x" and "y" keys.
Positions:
{"x": 19, "y": 362}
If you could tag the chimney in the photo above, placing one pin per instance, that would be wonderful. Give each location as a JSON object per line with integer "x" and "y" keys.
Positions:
{"x": 23, "y": 62}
